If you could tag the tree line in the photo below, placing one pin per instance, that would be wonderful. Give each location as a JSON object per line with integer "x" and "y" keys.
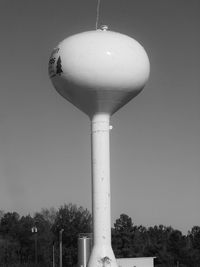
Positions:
{"x": 17, "y": 242}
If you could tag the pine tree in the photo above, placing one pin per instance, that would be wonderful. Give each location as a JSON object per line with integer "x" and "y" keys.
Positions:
{"x": 59, "y": 67}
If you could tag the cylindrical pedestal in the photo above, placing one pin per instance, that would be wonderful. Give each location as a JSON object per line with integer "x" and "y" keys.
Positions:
{"x": 102, "y": 253}
{"x": 84, "y": 249}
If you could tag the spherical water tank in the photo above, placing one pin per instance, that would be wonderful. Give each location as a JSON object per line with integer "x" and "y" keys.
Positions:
{"x": 99, "y": 71}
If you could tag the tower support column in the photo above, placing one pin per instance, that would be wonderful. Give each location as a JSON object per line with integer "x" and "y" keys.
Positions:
{"x": 102, "y": 253}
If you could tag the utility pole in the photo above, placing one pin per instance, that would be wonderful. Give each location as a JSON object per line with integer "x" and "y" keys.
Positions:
{"x": 53, "y": 255}
{"x": 60, "y": 242}
{"x": 35, "y": 230}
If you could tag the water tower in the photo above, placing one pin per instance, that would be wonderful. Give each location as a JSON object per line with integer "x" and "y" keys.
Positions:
{"x": 99, "y": 72}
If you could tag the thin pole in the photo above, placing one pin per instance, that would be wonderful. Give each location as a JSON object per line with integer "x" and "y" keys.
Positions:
{"x": 97, "y": 14}
{"x": 36, "y": 256}
{"x": 60, "y": 237}
{"x": 34, "y": 230}
{"x": 53, "y": 256}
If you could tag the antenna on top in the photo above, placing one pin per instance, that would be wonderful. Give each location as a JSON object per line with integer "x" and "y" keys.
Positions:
{"x": 97, "y": 14}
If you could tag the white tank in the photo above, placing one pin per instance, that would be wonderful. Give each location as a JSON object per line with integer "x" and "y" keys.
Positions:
{"x": 99, "y": 71}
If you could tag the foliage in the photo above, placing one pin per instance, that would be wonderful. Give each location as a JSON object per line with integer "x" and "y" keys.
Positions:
{"x": 170, "y": 247}
{"x": 122, "y": 237}
{"x": 73, "y": 221}
{"x": 17, "y": 243}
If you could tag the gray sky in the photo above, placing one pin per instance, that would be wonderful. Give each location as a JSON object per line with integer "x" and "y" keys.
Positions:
{"x": 45, "y": 141}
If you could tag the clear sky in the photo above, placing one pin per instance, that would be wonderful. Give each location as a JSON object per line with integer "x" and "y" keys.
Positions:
{"x": 155, "y": 146}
